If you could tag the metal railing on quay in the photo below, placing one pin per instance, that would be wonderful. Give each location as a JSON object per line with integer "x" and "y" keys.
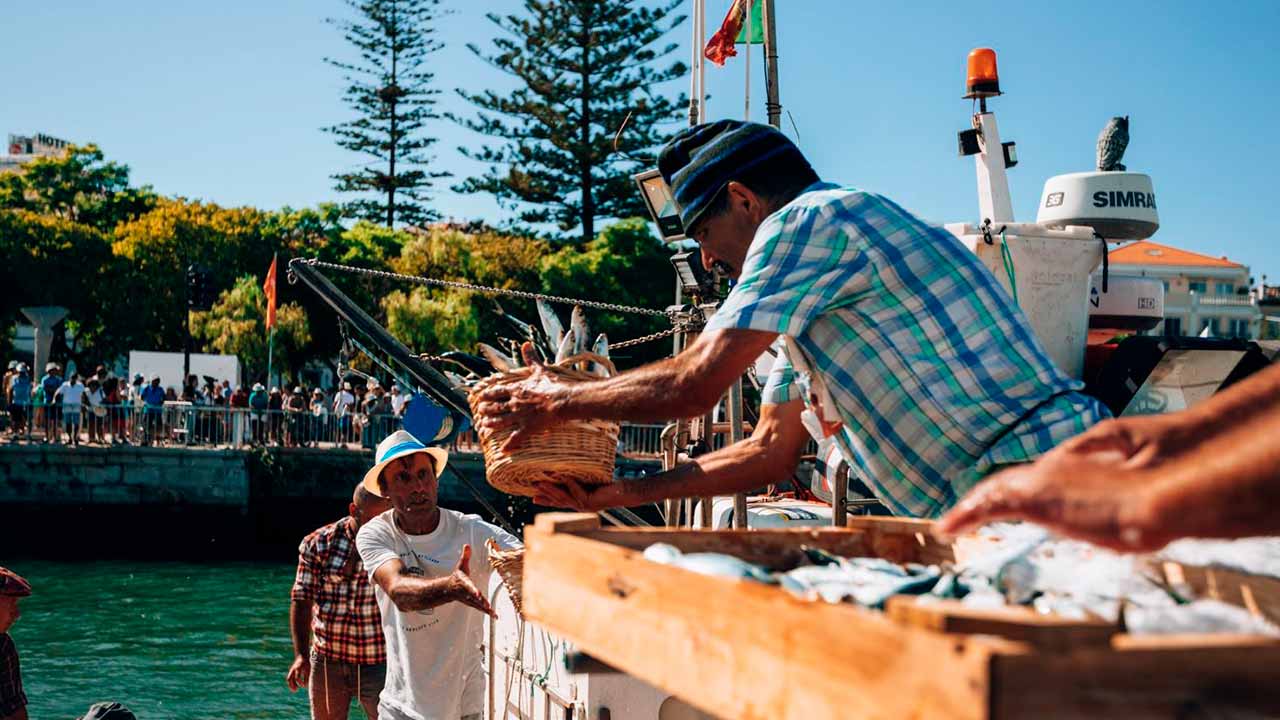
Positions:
{"x": 182, "y": 424}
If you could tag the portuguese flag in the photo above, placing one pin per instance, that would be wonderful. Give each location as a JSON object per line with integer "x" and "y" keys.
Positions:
{"x": 734, "y": 30}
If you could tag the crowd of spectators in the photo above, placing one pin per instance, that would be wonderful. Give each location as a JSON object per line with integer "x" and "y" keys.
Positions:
{"x": 103, "y": 409}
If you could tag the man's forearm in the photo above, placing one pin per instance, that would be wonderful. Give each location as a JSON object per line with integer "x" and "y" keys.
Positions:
{"x": 300, "y": 626}
{"x": 653, "y": 393}
{"x": 1227, "y": 486}
{"x": 413, "y": 593}
{"x": 1255, "y": 395}
{"x": 743, "y": 466}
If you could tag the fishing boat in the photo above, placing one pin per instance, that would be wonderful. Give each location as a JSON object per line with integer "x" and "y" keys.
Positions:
{"x": 608, "y": 635}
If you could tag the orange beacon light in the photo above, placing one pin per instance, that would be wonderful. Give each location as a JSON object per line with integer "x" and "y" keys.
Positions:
{"x": 983, "y": 79}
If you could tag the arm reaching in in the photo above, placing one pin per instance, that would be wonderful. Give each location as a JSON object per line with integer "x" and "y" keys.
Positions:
{"x": 769, "y": 455}
{"x": 683, "y": 386}
{"x": 1138, "y": 483}
{"x": 409, "y": 592}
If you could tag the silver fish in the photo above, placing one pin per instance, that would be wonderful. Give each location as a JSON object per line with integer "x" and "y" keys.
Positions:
{"x": 707, "y": 563}
{"x": 578, "y": 322}
{"x": 565, "y": 348}
{"x": 500, "y": 360}
{"x": 601, "y": 348}
{"x": 551, "y": 325}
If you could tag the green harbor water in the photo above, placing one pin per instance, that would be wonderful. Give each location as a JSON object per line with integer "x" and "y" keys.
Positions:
{"x": 167, "y": 639}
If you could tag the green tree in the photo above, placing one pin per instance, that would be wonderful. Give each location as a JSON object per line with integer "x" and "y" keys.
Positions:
{"x": 390, "y": 88}
{"x": 627, "y": 265}
{"x": 432, "y": 320}
{"x": 79, "y": 185}
{"x": 236, "y": 325}
{"x": 159, "y": 245}
{"x": 49, "y": 260}
{"x": 583, "y": 67}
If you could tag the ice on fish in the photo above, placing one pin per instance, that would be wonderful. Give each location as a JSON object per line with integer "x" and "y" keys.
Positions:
{"x": 715, "y": 564}
{"x": 866, "y": 581}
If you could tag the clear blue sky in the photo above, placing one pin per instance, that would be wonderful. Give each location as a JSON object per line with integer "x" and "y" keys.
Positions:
{"x": 224, "y": 101}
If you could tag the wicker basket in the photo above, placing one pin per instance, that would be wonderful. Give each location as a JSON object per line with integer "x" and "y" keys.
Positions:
{"x": 578, "y": 450}
{"x": 510, "y": 567}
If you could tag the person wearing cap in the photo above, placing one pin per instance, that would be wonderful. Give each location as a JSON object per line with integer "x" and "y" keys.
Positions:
{"x": 891, "y": 337}
{"x": 49, "y": 384}
{"x": 332, "y": 599}
{"x": 153, "y": 409}
{"x": 431, "y": 574}
{"x": 13, "y": 701}
{"x": 18, "y": 395}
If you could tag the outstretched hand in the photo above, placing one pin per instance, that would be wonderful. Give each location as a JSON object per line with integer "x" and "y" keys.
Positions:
{"x": 1100, "y": 486}
{"x": 464, "y": 590}
{"x": 570, "y": 494}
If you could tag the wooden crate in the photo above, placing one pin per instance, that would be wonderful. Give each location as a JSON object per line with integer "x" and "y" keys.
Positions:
{"x": 744, "y": 650}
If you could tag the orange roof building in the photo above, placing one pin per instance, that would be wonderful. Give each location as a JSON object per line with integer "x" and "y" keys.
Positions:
{"x": 1201, "y": 292}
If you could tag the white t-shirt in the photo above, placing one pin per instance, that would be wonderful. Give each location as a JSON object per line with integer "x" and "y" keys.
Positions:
{"x": 95, "y": 397}
{"x": 397, "y": 402}
{"x": 433, "y": 656}
{"x": 342, "y": 402}
{"x": 72, "y": 395}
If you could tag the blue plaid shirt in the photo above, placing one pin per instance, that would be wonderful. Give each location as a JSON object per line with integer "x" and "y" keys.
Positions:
{"x": 931, "y": 367}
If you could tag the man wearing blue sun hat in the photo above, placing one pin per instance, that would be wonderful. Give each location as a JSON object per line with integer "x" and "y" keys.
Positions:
{"x": 430, "y": 570}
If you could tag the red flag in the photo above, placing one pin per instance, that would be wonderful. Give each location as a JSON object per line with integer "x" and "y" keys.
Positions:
{"x": 269, "y": 287}
{"x": 720, "y": 47}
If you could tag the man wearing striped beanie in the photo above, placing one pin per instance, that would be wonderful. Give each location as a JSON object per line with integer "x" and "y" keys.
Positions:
{"x": 892, "y": 339}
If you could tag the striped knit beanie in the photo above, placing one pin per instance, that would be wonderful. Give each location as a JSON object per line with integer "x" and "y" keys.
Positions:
{"x": 701, "y": 160}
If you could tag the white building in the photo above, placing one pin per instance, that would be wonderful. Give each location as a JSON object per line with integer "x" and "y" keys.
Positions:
{"x": 1199, "y": 291}
{"x": 25, "y": 148}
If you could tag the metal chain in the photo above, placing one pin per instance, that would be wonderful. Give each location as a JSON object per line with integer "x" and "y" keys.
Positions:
{"x": 593, "y": 304}
{"x": 646, "y": 338}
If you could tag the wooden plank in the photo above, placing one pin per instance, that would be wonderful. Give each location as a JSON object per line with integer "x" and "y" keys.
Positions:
{"x": 1178, "y": 681}
{"x": 1258, "y": 594}
{"x": 564, "y": 522}
{"x": 742, "y": 650}
{"x": 1045, "y": 632}
{"x": 775, "y": 549}
{"x": 903, "y": 539}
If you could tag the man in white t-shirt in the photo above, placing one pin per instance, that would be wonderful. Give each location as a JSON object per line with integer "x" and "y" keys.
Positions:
{"x": 342, "y": 402}
{"x": 72, "y": 394}
{"x": 430, "y": 572}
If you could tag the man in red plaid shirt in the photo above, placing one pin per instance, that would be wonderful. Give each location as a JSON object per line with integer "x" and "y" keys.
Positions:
{"x": 13, "y": 702}
{"x": 333, "y": 600}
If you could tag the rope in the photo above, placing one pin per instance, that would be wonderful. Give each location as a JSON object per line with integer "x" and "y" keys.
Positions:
{"x": 1007, "y": 258}
{"x": 593, "y": 304}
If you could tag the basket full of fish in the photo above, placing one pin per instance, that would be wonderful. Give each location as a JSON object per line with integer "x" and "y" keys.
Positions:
{"x": 579, "y": 450}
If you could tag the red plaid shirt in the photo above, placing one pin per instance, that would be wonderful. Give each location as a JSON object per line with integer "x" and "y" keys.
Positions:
{"x": 344, "y": 614}
{"x": 12, "y": 699}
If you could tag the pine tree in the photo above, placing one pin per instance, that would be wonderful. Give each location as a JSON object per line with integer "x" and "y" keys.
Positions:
{"x": 585, "y": 67}
{"x": 390, "y": 89}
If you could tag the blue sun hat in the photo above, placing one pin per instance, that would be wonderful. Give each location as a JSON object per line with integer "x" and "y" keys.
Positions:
{"x": 397, "y": 445}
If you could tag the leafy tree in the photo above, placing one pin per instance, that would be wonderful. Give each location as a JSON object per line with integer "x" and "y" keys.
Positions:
{"x": 158, "y": 246}
{"x": 49, "y": 260}
{"x": 432, "y": 320}
{"x": 236, "y": 325}
{"x": 78, "y": 185}
{"x": 584, "y": 67}
{"x": 627, "y": 265}
{"x": 390, "y": 89}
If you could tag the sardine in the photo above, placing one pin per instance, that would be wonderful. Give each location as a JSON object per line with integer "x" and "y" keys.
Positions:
{"x": 500, "y": 360}
{"x": 601, "y": 348}
{"x": 477, "y": 365}
{"x": 581, "y": 335}
{"x": 714, "y": 564}
{"x": 551, "y": 326}
{"x": 565, "y": 349}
